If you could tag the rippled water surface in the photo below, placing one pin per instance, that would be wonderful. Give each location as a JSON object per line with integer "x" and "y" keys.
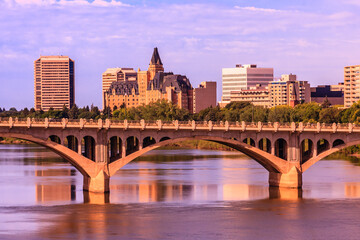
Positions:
{"x": 175, "y": 194}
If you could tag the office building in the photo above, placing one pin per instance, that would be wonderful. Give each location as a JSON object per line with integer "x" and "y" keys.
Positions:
{"x": 244, "y": 77}
{"x": 351, "y": 85}
{"x": 54, "y": 82}
{"x": 259, "y": 96}
{"x": 333, "y": 93}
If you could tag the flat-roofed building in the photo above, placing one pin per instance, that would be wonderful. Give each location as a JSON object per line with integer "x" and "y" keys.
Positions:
{"x": 259, "y": 96}
{"x": 333, "y": 93}
{"x": 351, "y": 85}
{"x": 244, "y": 77}
{"x": 204, "y": 96}
{"x": 288, "y": 91}
{"x": 116, "y": 74}
{"x": 54, "y": 82}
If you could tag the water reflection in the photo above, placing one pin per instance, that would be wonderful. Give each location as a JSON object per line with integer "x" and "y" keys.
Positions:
{"x": 185, "y": 176}
{"x": 57, "y": 185}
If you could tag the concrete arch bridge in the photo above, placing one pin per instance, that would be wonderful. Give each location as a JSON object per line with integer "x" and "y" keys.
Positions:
{"x": 98, "y": 149}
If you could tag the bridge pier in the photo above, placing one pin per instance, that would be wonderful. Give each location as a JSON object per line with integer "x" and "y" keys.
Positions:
{"x": 292, "y": 179}
{"x": 98, "y": 184}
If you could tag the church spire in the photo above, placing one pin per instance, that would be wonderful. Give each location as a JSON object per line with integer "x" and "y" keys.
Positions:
{"x": 156, "y": 60}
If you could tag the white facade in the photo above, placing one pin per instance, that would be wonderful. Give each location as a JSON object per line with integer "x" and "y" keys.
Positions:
{"x": 244, "y": 77}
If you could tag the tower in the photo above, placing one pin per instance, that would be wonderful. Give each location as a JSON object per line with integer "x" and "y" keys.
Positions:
{"x": 155, "y": 64}
{"x": 54, "y": 82}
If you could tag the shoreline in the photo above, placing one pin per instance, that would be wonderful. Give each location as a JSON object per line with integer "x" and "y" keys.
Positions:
{"x": 190, "y": 144}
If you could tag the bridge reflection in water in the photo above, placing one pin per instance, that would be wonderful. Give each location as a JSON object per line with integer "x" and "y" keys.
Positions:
{"x": 167, "y": 178}
{"x": 98, "y": 149}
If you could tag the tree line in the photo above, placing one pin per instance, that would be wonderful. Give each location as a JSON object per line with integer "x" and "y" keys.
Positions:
{"x": 235, "y": 111}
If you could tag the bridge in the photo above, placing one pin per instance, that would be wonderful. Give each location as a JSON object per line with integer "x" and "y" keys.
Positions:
{"x": 99, "y": 148}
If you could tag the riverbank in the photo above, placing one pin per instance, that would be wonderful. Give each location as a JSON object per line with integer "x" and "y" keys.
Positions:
{"x": 13, "y": 141}
{"x": 190, "y": 144}
{"x": 198, "y": 144}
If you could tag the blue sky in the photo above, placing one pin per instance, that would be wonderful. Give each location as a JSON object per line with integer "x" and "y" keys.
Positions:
{"x": 313, "y": 39}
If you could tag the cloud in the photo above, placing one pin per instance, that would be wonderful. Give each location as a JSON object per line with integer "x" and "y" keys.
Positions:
{"x": 254, "y": 9}
{"x": 95, "y": 3}
{"x": 193, "y": 39}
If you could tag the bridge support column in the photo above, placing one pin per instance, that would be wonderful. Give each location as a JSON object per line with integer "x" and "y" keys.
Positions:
{"x": 98, "y": 184}
{"x": 292, "y": 179}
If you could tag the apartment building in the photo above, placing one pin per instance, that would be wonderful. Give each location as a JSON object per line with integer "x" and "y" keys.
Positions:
{"x": 351, "y": 85}
{"x": 288, "y": 91}
{"x": 54, "y": 82}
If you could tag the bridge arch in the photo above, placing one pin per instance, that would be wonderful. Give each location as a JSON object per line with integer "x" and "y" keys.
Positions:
{"x": 265, "y": 145}
{"x": 305, "y": 166}
{"x": 115, "y": 147}
{"x": 72, "y": 143}
{"x": 55, "y": 138}
{"x": 85, "y": 166}
{"x": 147, "y": 141}
{"x": 164, "y": 139}
{"x": 322, "y": 145}
{"x": 132, "y": 145}
{"x": 306, "y": 150}
{"x": 268, "y": 161}
{"x": 89, "y": 147}
{"x": 338, "y": 142}
{"x": 249, "y": 141}
{"x": 281, "y": 148}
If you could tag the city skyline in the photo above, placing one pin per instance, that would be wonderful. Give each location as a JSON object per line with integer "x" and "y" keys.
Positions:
{"x": 312, "y": 40}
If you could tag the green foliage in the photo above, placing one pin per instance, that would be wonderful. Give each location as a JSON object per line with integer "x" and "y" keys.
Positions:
{"x": 307, "y": 112}
{"x": 281, "y": 114}
{"x": 236, "y": 111}
{"x": 329, "y": 115}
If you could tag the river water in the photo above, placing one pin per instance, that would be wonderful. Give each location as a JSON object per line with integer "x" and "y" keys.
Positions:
{"x": 175, "y": 194}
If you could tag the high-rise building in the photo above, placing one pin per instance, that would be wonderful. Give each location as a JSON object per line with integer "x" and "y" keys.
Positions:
{"x": 351, "y": 85}
{"x": 288, "y": 91}
{"x": 54, "y": 82}
{"x": 244, "y": 77}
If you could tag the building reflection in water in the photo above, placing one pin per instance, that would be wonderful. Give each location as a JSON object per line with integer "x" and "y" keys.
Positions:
{"x": 352, "y": 190}
{"x": 50, "y": 188}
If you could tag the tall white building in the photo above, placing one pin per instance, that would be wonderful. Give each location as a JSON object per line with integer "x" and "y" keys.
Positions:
{"x": 54, "y": 82}
{"x": 351, "y": 85}
{"x": 244, "y": 77}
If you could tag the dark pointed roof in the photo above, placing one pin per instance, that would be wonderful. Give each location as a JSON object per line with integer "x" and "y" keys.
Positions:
{"x": 156, "y": 60}
{"x": 162, "y": 80}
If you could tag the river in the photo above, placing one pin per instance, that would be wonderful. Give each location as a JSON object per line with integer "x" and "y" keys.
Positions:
{"x": 175, "y": 194}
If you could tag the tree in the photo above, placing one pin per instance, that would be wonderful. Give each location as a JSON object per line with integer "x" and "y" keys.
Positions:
{"x": 281, "y": 114}
{"x": 326, "y": 103}
{"x": 306, "y": 112}
{"x": 74, "y": 112}
{"x": 64, "y": 112}
{"x": 329, "y": 115}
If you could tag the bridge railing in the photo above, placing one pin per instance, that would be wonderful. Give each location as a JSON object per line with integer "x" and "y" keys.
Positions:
{"x": 176, "y": 125}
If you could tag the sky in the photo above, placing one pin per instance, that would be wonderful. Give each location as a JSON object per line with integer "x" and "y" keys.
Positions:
{"x": 197, "y": 38}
